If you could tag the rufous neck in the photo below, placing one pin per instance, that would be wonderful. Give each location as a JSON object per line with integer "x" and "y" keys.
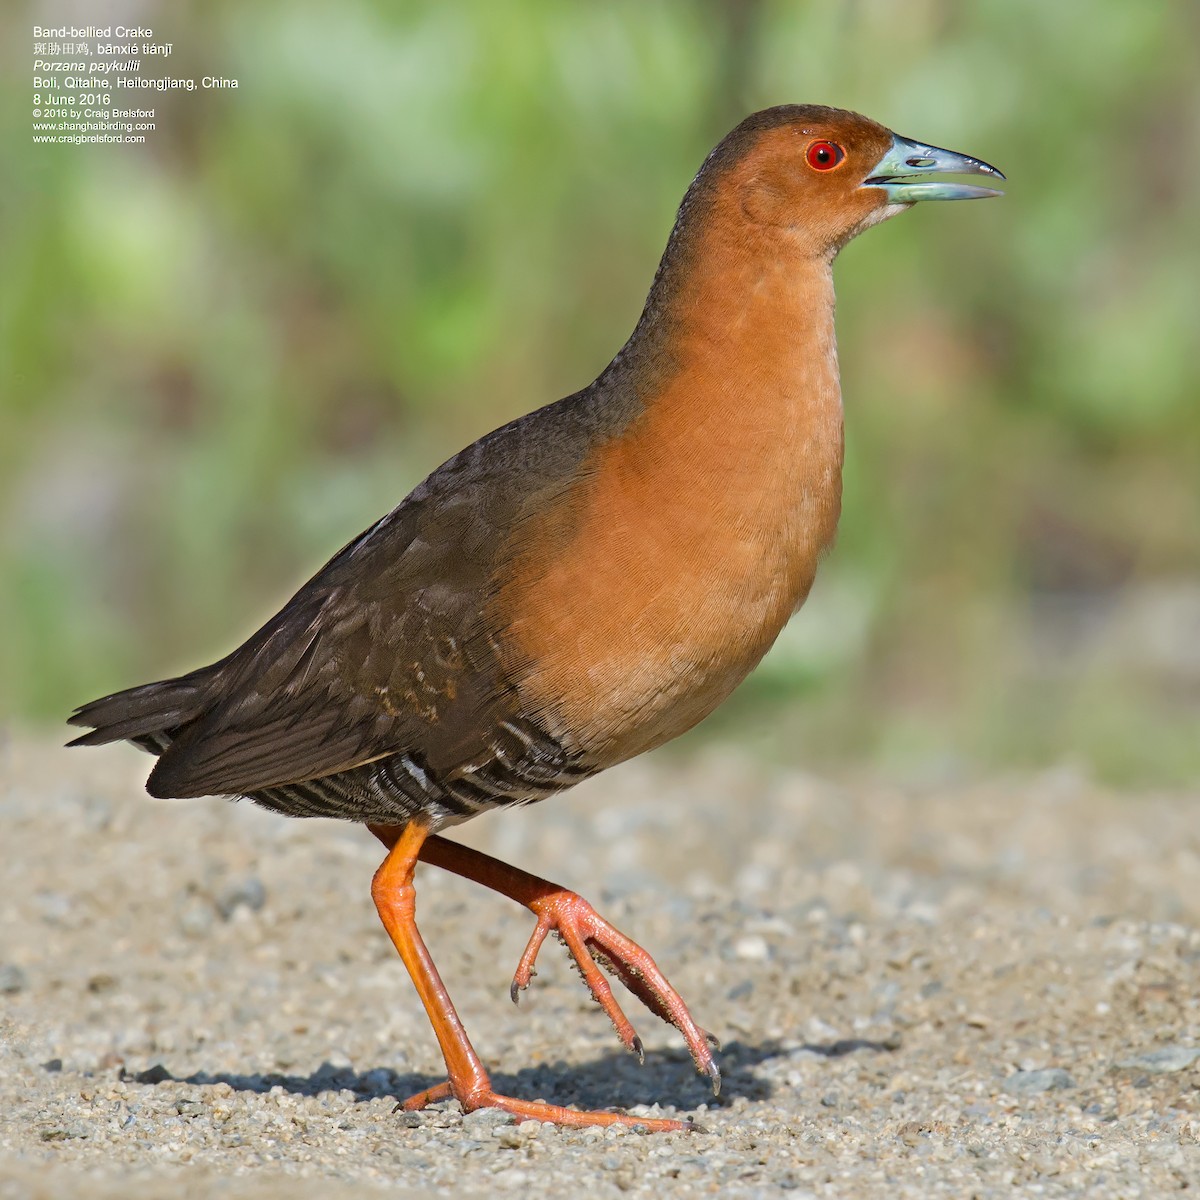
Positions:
{"x": 741, "y": 325}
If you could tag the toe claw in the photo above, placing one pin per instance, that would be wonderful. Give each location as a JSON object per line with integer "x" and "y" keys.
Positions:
{"x": 714, "y": 1073}
{"x": 514, "y": 992}
{"x": 711, "y": 1039}
{"x": 639, "y": 1049}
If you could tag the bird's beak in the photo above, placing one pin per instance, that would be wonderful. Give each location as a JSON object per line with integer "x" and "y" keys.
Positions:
{"x": 905, "y": 160}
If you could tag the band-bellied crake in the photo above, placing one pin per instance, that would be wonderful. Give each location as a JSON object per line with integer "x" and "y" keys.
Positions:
{"x": 576, "y": 587}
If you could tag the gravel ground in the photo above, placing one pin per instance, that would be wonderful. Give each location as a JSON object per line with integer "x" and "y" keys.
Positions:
{"x": 954, "y": 989}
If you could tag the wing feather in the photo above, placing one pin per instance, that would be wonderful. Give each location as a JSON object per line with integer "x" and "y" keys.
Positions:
{"x": 382, "y": 651}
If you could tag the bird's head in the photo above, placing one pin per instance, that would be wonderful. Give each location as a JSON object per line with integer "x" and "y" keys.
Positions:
{"x": 820, "y": 176}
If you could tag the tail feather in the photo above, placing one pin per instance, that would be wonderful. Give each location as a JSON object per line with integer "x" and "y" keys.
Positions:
{"x": 145, "y": 715}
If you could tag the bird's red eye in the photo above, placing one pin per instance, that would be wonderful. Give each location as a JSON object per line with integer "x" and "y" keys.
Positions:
{"x": 824, "y": 156}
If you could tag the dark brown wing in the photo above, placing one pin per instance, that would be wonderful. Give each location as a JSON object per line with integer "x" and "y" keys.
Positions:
{"x": 383, "y": 650}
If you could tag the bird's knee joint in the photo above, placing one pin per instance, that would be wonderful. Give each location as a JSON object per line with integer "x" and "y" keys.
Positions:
{"x": 400, "y": 899}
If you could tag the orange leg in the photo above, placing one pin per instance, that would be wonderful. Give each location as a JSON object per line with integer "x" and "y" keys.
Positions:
{"x": 395, "y": 898}
{"x": 588, "y": 937}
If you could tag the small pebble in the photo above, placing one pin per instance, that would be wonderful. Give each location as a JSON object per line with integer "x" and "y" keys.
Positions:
{"x": 1030, "y": 1083}
{"x": 487, "y": 1118}
{"x": 1164, "y": 1061}
{"x": 753, "y": 948}
{"x": 242, "y": 893}
{"x": 53, "y": 907}
{"x": 12, "y": 979}
{"x": 195, "y": 917}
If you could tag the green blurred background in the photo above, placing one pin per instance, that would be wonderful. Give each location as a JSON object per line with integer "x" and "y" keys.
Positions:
{"x": 226, "y": 352}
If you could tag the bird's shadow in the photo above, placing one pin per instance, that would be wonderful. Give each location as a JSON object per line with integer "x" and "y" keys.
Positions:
{"x": 613, "y": 1080}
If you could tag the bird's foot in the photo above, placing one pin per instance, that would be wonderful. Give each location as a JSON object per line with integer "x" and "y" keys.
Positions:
{"x": 476, "y": 1097}
{"x": 591, "y": 940}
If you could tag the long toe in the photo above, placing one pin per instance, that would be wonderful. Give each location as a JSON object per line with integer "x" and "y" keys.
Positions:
{"x": 441, "y": 1091}
{"x": 537, "y": 1110}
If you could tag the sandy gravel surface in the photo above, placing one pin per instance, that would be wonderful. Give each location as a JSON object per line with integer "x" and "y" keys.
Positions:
{"x": 944, "y": 990}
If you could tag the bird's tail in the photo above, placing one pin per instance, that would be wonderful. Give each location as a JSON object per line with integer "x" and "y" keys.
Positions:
{"x": 150, "y": 716}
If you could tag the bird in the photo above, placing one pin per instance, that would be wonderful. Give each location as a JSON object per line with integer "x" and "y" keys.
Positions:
{"x": 575, "y": 588}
